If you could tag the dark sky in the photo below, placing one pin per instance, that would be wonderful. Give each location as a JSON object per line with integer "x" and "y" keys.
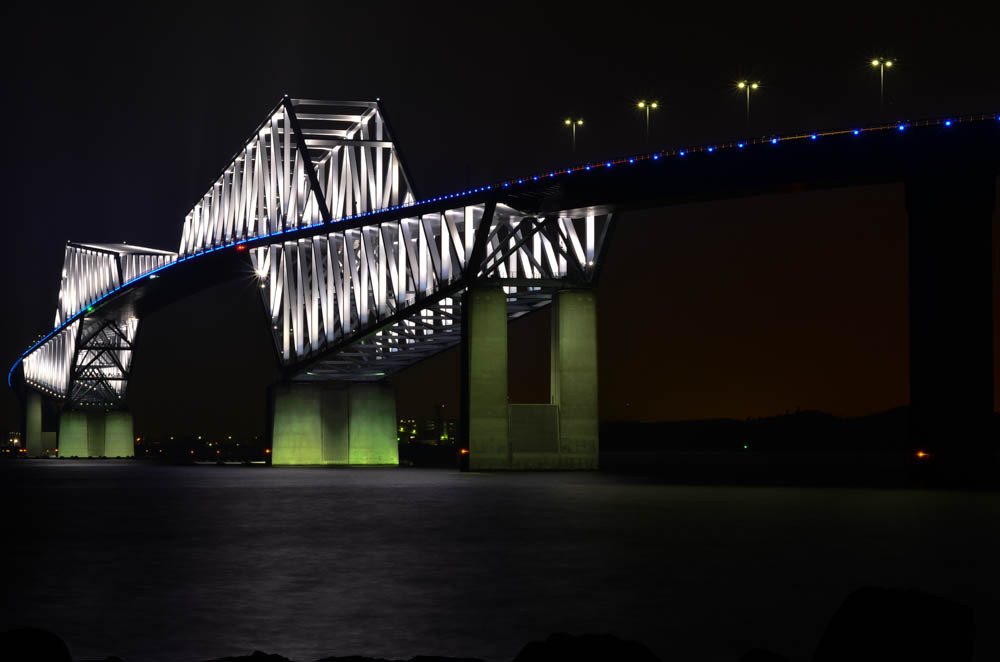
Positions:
{"x": 120, "y": 116}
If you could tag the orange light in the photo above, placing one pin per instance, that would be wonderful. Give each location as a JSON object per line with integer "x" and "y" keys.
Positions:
{"x": 241, "y": 248}
{"x": 464, "y": 451}
{"x": 922, "y": 454}
{"x": 267, "y": 450}
{"x": 192, "y": 452}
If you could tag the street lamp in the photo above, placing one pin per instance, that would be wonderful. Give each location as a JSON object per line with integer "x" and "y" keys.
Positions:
{"x": 744, "y": 85}
{"x": 644, "y": 105}
{"x": 882, "y": 65}
{"x": 573, "y": 123}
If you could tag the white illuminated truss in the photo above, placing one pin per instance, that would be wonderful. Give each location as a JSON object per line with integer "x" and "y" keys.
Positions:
{"x": 363, "y": 301}
{"x": 366, "y": 287}
{"x": 89, "y": 358}
{"x": 270, "y": 185}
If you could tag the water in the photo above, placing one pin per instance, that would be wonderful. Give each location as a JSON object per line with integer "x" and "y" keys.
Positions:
{"x": 189, "y": 563}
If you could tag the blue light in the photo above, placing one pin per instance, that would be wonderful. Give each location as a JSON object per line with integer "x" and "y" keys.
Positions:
{"x": 536, "y": 178}
{"x": 588, "y": 168}
{"x": 569, "y": 172}
{"x": 901, "y": 127}
{"x": 740, "y": 145}
{"x": 656, "y": 157}
{"x": 520, "y": 181}
{"x": 683, "y": 152}
{"x": 608, "y": 164}
{"x": 947, "y": 122}
{"x": 711, "y": 149}
{"x": 856, "y": 132}
{"x": 812, "y": 137}
{"x": 631, "y": 160}
{"x": 774, "y": 141}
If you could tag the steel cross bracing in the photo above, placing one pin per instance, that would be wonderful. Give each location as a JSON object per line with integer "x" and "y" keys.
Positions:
{"x": 90, "y": 357}
{"x": 313, "y": 162}
{"x": 364, "y": 302}
{"x": 309, "y": 162}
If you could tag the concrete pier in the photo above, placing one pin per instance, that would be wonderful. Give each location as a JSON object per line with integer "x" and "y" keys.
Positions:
{"x": 96, "y": 434}
{"x": 560, "y": 434}
{"x": 33, "y": 424}
{"x": 950, "y": 207}
{"x": 318, "y": 423}
{"x": 574, "y": 377}
{"x": 485, "y": 378}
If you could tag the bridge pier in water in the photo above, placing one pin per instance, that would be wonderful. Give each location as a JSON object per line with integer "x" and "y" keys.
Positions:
{"x": 950, "y": 207}
{"x": 96, "y": 434}
{"x": 33, "y": 443}
{"x": 324, "y": 423}
{"x": 562, "y": 434}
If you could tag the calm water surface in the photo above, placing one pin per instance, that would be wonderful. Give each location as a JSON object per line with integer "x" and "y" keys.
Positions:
{"x": 189, "y": 563}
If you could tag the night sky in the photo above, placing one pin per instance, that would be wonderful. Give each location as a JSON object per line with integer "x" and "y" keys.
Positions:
{"x": 122, "y": 116}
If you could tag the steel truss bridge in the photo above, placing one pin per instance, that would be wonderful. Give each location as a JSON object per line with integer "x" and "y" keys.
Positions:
{"x": 360, "y": 277}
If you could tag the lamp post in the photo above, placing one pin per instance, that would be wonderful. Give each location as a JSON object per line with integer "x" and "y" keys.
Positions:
{"x": 647, "y": 105}
{"x": 573, "y": 123}
{"x": 882, "y": 65}
{"x": 745, "y": 85}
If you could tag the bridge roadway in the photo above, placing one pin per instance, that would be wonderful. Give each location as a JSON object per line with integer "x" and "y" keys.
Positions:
{"x": 949, "y": 167}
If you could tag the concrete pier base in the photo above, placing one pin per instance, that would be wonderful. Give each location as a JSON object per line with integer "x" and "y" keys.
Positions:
{"x": 574, "y": 377}
{"x": 334, "y": 424}
{"x": 96, "y": 434}
{"x": 33, "y": 443}
{"x": 485, "y": 379}
{"x": 950, "y": 207}
{"x": 561, "y": 434}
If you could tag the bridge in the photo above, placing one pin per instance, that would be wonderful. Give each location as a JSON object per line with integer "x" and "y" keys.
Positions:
{"x": 359, "y": 278}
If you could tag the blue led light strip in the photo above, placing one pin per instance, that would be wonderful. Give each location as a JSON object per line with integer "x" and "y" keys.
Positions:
{"x": 627, "y": 160}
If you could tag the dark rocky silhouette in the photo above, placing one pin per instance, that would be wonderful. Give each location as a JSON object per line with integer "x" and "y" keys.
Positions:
{"x": 881, "y": 624}
{"x": 762, "y": 655}
{"x": 583, "y": 648}
{"x": 33, "y": 644}
{"x": 256, "y": 656}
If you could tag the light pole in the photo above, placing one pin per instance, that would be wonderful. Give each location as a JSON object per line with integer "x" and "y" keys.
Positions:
{"x": 573, "y": 123}
{"x": 644, "y": 105}
{"x": 744, "y": 85}
{"x": 882, "y": 65}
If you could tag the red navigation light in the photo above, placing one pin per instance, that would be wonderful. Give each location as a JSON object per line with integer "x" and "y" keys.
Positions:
{"x": 240, "y": 248}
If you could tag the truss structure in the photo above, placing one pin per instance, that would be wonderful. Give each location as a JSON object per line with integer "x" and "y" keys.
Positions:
{"x": 308, "y": 162}
{"x": 382, "y": 296}
{"x": 351, "y": 297}
{"x": 87, "y": 360}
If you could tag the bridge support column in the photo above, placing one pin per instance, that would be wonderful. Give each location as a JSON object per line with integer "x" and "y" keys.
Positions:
{"x": 950, "y": 209}
{"x": 562, "y": 434}
{"x": 574, "y": 377}
{"x": 96, "y": 434}
{"x": 484, "y": 379}
{"x": 73, "y": 434}
{"x": 317, "y": 423}
{"x": 118, "y": 434}
{"x": 33, "y": 443}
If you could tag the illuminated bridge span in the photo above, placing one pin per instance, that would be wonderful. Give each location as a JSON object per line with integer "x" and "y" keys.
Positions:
{"x": 360, "y": 278}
